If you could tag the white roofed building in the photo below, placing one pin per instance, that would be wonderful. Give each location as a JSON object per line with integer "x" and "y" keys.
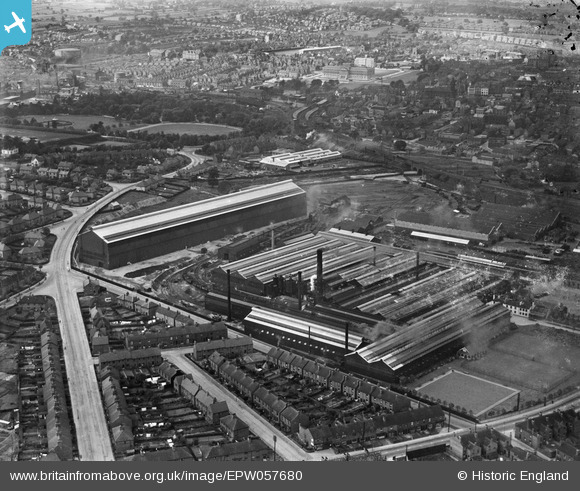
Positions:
{"x": 135, "y": 239}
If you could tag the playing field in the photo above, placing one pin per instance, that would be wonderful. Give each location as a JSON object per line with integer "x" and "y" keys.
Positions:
{"x": 189, "y": 128}
{"x": 468, "y": 391}
{"x": 79, "y": 121}
{"x": 542, "y": 348}
{"x": 41, "y": 136}
{"x": 520, "y": 371}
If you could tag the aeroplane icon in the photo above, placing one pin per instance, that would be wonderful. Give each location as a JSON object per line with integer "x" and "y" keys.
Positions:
{"x": 17, "y": 23}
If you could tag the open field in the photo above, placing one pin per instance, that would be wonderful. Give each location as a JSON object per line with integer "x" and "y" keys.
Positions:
{"x": 42, "y": 136}
{"x": 79, "y": 121}
{"x": 541, "y": 349}
{"x": 471, "y": 392}
{"x": 520, "y": 371}
{"x": 189, "y": 128}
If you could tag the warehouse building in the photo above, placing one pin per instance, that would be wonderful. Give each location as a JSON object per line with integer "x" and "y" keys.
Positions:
{"x": 436, "y": 335}
{"x": 154, "y": 234}
{"x": 287, "y": 161}
{"x": 307, "y": 335}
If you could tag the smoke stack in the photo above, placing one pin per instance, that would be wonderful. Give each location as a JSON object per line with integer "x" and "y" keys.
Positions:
{"x": 229, "y": 296}
{"x": 272, "y": 239}
{"x": 319, "y": 272}
{"x": 300, "y": 290}
{"x": 374, "y": 255}
{"x": 346, "y": 337}
{"x": 417, "y": 268}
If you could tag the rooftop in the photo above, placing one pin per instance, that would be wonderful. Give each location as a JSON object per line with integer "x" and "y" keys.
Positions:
{"x": 193, "y": 212}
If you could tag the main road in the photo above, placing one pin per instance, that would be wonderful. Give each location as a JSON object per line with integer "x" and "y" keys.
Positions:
{"x": 89, "y": 419}
{"x": 62, "y": 283}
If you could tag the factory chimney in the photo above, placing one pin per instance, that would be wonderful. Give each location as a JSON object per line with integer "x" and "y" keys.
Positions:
{"x": 346, "y": 337}
{"x": 319, "y": 273}
{"x": 300, "y": 290}
{"x": 229, "y": 297}
{"x": 417, "y": 268}
{"x": 273, "y": 245}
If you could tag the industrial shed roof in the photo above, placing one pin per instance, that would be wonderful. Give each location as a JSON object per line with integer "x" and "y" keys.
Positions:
{"x": 411, "y": 343}
{"x": 302, "y": 328}
{"x": 443, "y": 238}
{"x": 192, "y": 212}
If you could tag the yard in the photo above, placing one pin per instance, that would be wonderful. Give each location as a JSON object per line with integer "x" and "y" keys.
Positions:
{"x": 473, "y": 393}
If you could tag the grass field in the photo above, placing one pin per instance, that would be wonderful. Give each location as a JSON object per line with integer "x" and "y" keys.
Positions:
{"x": 189, "y": 128}
{"x": 79, "y": 122}
{"x": 520, "y": 371}
{"x": 471, "y": 392}
{"x": 42, "y": 136}
{"x": 542, "y": 349}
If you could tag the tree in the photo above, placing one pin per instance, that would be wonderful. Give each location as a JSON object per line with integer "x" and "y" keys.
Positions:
{"x": 400, "y": 145}
{"x": 316, "y": 84}
{"x": 212, "y": 176}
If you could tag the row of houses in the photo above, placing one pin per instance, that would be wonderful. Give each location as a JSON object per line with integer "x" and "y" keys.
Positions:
{"x": 276, "y": 409}
{"x": 252, "y": 449}
{"x": 381, "y": 426}
{"x": 58, "y": 425}
{"x": 15, "y": 277}
{"x": 557, "y": 434}
{"x": 117, "y": 410}
{"x": 32, "y": 219}
{"x": 240, "y": 445}
{"x": 56, "y": 193}
{"x": 486, "y": 444}
{"x": 173, "y": 337}
{"x": 338, "y": 381}
{"x": 173, "y": 318}
{"x": 130, "y": 359}
{"x": 212, "y": 409}
{"x": 229, "y": 348}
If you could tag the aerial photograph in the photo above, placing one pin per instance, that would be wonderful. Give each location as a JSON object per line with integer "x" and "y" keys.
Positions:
{"x": 290, "y": 230}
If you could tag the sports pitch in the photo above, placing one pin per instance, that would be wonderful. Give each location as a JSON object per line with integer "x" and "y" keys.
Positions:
{"x": 473, "y": 393}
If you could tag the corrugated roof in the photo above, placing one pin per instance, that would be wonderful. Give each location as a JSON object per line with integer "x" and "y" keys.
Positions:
{"x": 192, "y": 212}
{"x": 444, "y": 238}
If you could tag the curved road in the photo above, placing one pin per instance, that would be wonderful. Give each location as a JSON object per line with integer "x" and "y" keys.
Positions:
{"x": 62, "y": 284}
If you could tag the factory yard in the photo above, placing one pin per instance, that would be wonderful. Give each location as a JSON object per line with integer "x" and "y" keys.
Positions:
{"x": 475, "y": 394}
{"x": 375, "y": 198}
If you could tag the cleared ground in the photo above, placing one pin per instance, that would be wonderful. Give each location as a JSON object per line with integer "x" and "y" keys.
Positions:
{"x": 189, "y": 128}
{"x": 541, "y": 349}
{"x": 521, "y": 371}
{"x": 473, "y": 393}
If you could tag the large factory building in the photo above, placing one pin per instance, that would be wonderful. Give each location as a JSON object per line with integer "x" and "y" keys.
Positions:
{"x": 138, "y": 238}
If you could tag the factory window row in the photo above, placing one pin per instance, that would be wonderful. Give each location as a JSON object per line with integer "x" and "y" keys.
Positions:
{"x": 265, "y": 331}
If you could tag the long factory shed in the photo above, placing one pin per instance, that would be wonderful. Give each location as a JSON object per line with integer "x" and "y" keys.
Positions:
{"x": 135, "y": 239}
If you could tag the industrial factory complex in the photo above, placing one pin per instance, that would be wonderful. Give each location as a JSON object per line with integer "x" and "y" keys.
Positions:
{"x": 135, "y": 239}
{"x": 384, "y": 311}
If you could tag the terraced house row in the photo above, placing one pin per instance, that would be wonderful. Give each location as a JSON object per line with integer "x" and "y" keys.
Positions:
{"x": 277, "y": 410}
{"x": 338, "y": 381}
